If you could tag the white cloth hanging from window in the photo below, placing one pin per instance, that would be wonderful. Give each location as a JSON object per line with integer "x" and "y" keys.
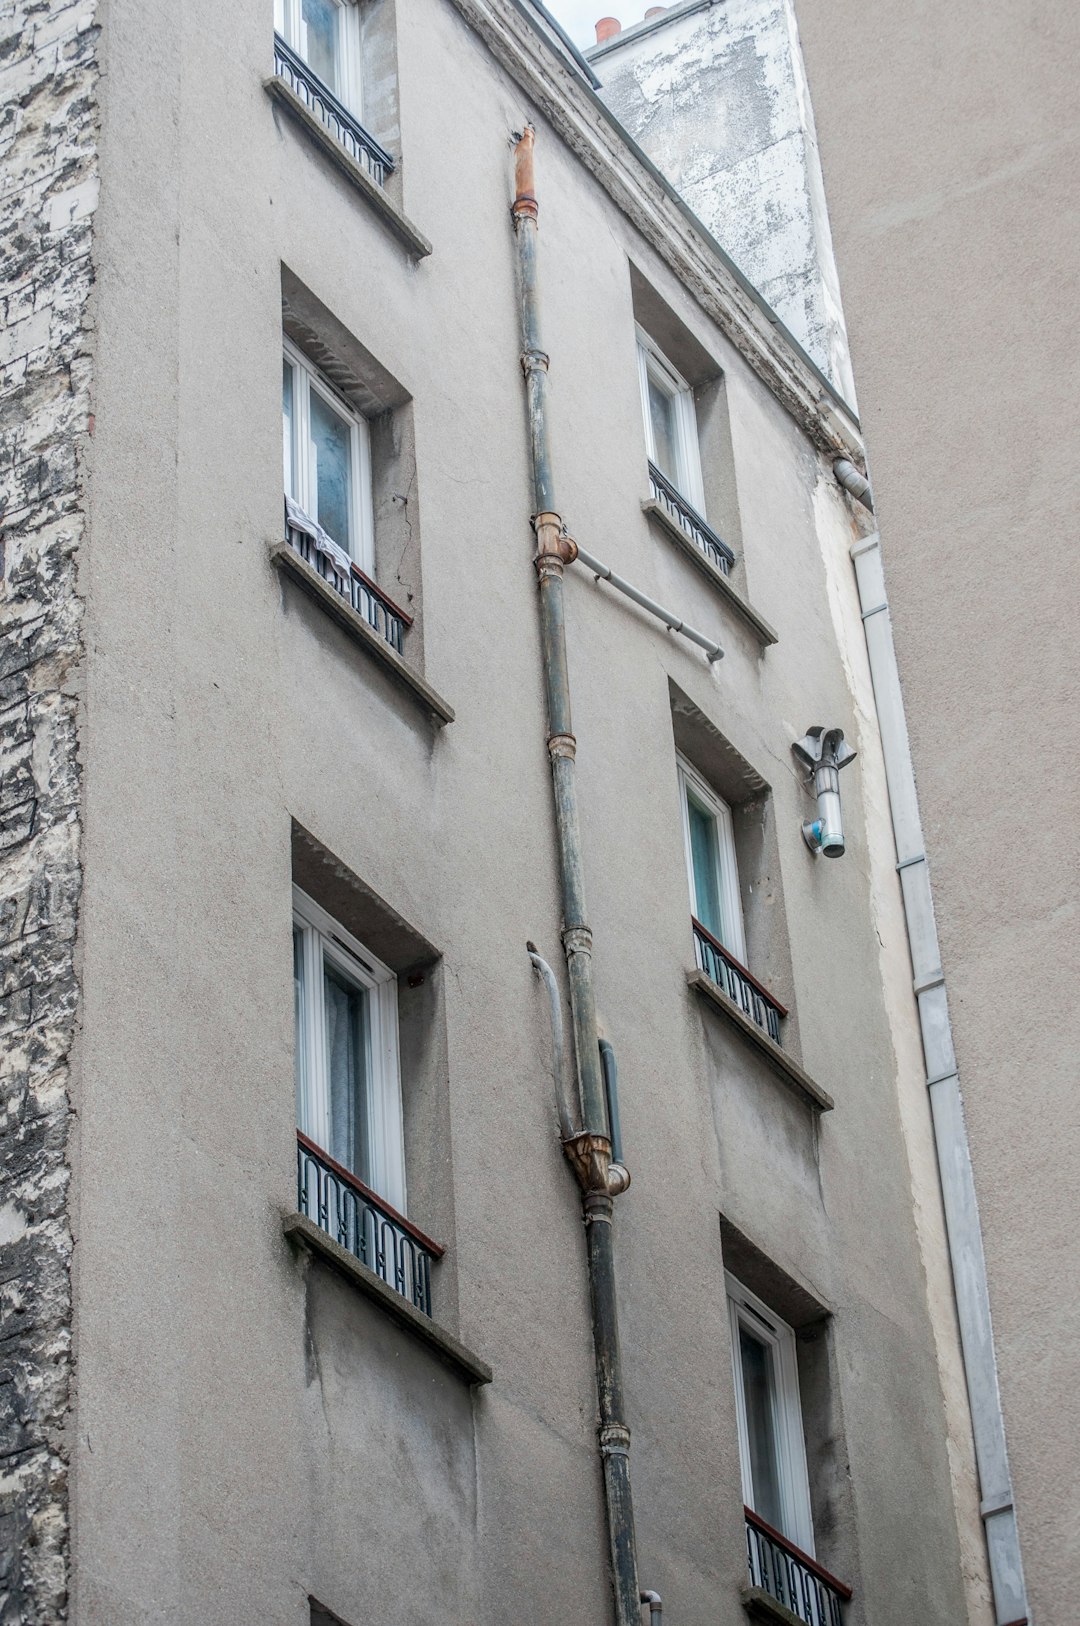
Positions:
{"x": 297, "y": 520}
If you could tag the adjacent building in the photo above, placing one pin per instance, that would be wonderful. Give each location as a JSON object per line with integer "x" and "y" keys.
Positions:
{"x": 301, "y": 1321}
{"x": 946, "y": 156}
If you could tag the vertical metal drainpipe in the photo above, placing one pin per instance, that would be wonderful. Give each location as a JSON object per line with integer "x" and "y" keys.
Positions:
{"x": 963, "y": 1231}
{"x": 590, "y": 1151}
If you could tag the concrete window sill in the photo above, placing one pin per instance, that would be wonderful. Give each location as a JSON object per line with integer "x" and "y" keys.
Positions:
{"x": 781, "y": 1063}
{"x": 761, "y": 1605}
{"x": 304, "y": 1233}
{"x": 286, "y": 559}
{"x": 674, "y": 532}
{"x": 400, "y": 225}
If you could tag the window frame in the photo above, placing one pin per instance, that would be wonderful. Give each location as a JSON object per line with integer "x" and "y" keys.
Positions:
{"x": 306, "y": 378}
{"x": 745, "y": 1309}
{"x": 690, "y": 781}
{"x": 288, "y": 22}
{"x": 654, "y": 365}
{"x": 325, "y": 940}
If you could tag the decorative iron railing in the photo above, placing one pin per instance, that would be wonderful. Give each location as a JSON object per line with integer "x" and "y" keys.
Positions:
{"x": 330, "y": 112}
{"x": 369, "y": 1228}
{"x": 688, "y": 519}
{"x": 346, "y": 578}
{"x": 791, "y": 1576}
{"x": 739, "y": 984}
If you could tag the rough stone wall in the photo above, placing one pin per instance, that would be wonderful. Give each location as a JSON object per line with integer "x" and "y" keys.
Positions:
{"x": 718, "y": 100}
{"x": 48, "y": 189}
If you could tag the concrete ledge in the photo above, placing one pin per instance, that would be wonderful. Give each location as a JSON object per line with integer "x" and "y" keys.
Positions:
{"x": 735, "y": 601}
{"x": 400, "y": 225}
{"x": 761, "y": 1605}
{"x": 304, "y": 1233}
{"x": 286, "y": 559}
{"x": 781, "y": 1063}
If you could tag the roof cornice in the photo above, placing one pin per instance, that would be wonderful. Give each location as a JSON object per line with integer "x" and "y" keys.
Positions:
{"x": 651, "y": 204}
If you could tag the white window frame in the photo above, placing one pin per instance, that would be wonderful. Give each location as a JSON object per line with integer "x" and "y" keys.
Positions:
{"x": 289, "y": 23}
{"x": 307, "y": 380}
{"x": 734, "y": 938}
{"x": 325, "y": 940}
{"x": 654, "y": 365}
{"x": 746, "y": 1309}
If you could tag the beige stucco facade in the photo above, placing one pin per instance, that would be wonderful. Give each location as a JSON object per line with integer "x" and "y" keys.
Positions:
{"x": 246, "y": 1430}
{"x": 946, "y": 139}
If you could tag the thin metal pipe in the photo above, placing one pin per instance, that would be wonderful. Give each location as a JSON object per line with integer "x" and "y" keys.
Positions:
{"x": 589, "y": 1151}
{"x": 611, "y": 1085}
{"x": 656, "y": 1607}
{"x": 567, "y": 1127}
{"x": 604, "y": 572}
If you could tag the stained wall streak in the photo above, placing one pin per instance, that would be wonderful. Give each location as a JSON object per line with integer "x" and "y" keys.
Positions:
{"x": 48, "y": 190}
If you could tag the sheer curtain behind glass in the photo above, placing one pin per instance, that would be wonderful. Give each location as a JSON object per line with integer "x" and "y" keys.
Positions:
{"x": 347, "y": 1063}
{"x": 320, "y": 23}
{"x": 331, "y": 452}
{"x": 705, "y": 854}
{"x": 665, "y": 434}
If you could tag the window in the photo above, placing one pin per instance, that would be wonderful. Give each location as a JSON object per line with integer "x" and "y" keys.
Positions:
{"x": 348, "y": 1094}
{"x": 772, "y": 1451}
{"x": 326, "y": 35}
{"x": 667, "y": 403}
{"x": 710, "y": 861}
{"x": 327, "y": 457}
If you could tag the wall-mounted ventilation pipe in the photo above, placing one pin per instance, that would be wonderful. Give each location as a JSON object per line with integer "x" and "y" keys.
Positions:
{"x": 962, "y": 1228}
{"x": 823, "y": 752}
{"x": 604, "y": 573}
{"x": 854, "y": 482}
{"x": 656, "y": 1607}
{"x": 589, "y": 1152}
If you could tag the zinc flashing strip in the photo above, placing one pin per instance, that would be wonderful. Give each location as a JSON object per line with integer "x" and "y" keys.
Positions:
{"x": 963, "y": 1229}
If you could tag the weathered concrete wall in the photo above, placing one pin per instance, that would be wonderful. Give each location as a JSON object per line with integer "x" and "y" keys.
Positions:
{"x": 948, "y": 138}
{"x": 48, "y": 155}
{"x": 717, "y": 98}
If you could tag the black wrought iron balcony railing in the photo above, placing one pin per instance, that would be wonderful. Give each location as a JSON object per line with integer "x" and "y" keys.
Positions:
{"x": 321, "y": 101}
{"x": 362, "y": 1223}
{"x": 688, "y": 519}
{"x": 791, "y": 1576}
{"x": 740, "y": 985}
{"x": 346, "y": 578}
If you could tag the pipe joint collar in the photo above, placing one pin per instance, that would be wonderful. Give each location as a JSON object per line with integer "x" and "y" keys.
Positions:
{"x": 614, "y": 1440}
{"x": 562, "y": 745}
{"x": 577, "y": 940}
{"x": 534, "y": 361}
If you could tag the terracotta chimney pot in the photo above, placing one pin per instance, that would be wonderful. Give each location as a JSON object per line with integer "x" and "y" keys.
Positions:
{"x": 607, "y": 28}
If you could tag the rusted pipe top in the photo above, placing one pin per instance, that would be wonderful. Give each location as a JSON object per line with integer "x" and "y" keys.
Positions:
{"x": 525, "y": 203}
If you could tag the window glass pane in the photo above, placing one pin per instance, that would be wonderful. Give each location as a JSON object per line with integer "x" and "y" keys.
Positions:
{"x": 300, "y": 1018}
{"x": 331, "y": 454}
{"x": 665, "y": 436}
{"x": 347, "y": 1069}
{"x": 759, "y": 1393}
{"x": 705, "y": 856}
{"x": 320, "y": 36}
{"x": 288, "y": 431}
